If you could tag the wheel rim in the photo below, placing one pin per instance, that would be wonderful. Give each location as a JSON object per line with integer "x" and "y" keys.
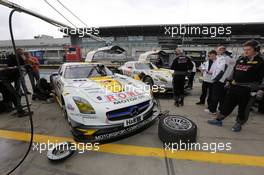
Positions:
{"x": 177, "y": 123}
{"x": 60, "y": 150}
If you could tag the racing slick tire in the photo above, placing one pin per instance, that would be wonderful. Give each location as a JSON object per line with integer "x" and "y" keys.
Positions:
{"x": 148, "y": 80}
{"x": 177, "y": 129}
{"x": 60, "y": 152}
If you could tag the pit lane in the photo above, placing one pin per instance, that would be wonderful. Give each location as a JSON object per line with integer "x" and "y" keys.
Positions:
{"x": 139, "y": 154}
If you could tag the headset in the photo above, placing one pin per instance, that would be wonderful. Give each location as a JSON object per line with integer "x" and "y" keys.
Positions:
{"x": 255, "y": 45}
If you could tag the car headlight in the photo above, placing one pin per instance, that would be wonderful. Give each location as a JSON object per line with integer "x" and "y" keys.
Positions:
{"x": 83, "y": 105}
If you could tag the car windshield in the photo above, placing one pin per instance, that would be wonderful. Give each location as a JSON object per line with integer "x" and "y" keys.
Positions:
{"x": 86, "y": 71}
{"x": 144, "y": 66}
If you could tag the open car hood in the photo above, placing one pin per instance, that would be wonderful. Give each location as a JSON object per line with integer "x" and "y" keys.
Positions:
{"x": 107, "y": 49}
{"x": 145, "y": 56}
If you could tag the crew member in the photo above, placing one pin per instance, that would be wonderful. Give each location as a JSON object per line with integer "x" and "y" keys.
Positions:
{"x": 7, "y": 76}
{"x": 247, "y": 75}
{"x": 12, "y": 62}
{"x": 33, "y": 73}
{"x": 221, "y": 69}
{"x": 207, "y": 83}
{"x": 181, "y": 65}
{"x": 191, "y": 76}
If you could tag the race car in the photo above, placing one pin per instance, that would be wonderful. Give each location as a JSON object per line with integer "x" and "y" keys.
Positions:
{"x": 149, "y": 74}
{"x": 145, "y": 70}
{"x": 100, "y": 105}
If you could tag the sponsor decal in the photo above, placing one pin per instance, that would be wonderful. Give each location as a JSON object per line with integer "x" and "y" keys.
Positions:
{"x": 133, "y": 120}
{"x": 108, "y": 83}
{"x": 124, "y": 131}
{"x": 123, "y": 97}
{"x": 243, "y": 67}
{"x": 252, "y": 62}
{"x": 125, "y": 101}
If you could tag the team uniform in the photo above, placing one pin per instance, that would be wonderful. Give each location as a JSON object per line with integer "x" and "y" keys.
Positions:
{"x": 181, "y": 65}
{"x": 247, "y": 76}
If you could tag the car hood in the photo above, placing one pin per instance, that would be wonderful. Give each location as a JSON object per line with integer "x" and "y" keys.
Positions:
{"x": 108, "y": 89}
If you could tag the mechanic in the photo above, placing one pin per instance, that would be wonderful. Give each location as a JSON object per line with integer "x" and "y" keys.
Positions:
{"x": 247, "y": 75}
{"x": 12, "y": 62}
{"x": 10, "y": 95}
{"x": 221, "y": 69}
{"x": 34, "y": 72}
{"x": 191, "y": 76}
{"x": 207, "y": 83}
{"x": 181, "y": 65}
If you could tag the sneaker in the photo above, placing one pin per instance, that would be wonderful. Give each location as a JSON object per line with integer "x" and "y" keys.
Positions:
{"x": 209, "y": 112}
{"x": 215, "y": 122}
{"x": 200, "y": 103}
{"x": 237, "y": 127}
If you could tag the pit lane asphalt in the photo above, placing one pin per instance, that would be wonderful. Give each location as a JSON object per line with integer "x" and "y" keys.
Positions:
{"x": 138, "y": 154}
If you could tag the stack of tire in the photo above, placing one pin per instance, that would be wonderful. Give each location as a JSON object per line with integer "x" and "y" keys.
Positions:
{"x": 177, "y": 129}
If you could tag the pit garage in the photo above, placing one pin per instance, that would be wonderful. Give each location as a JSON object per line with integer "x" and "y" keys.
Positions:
{"x": 141, "y": 153}
{"x": 76, "y": 131}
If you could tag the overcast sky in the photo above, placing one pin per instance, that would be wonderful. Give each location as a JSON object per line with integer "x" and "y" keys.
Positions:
{"x": 129, "y": 12}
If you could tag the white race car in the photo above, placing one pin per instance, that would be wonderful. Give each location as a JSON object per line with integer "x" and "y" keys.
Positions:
{"x": 145, "y": 70}
{"x": 100, "y": 105}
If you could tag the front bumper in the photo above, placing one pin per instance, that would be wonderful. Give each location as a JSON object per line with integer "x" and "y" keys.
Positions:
{"x": 84, "y": 133}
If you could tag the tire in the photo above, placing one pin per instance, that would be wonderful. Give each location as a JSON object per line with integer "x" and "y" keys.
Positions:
{"x": 148, "y": 80}
{"x": 60, "y": 152}
{"x": 172, "y": 130}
